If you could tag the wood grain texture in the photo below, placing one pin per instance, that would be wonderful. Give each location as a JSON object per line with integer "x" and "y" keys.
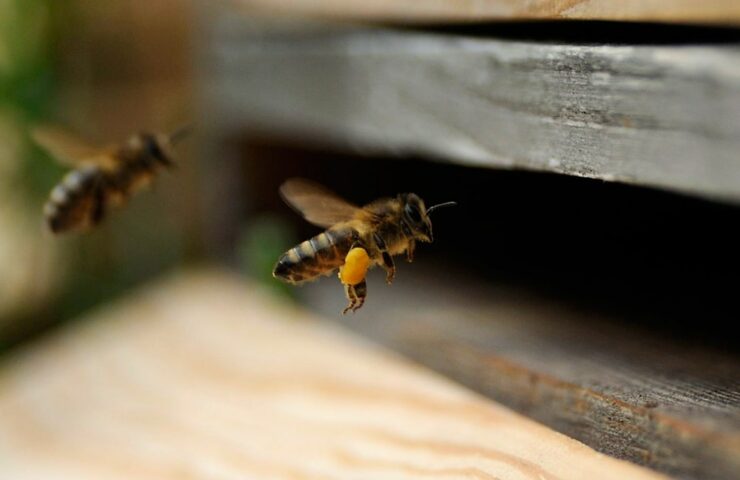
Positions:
{"x": 203, "y": 377}
{"x": 627, "y": 392}
{"x": 691, "y": 11}
{"x": 661, "y": 116}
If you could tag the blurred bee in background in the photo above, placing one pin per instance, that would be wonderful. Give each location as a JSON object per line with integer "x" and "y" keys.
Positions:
{"x": 356, "y": 238}
{"x": 102, "y": 177}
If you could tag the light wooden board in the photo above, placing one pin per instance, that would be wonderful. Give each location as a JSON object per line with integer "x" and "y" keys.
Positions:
{"x": 205, "y": 377}
{"x": 713, "y": 11}
{"x": 664, "y": 116}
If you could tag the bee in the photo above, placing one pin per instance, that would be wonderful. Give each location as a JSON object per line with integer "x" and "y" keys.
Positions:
{"x": 355, "y": 239}
{"x": 101, "y": 177}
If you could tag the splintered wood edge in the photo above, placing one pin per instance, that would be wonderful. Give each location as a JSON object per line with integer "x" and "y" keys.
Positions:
{"x": 204, "y": 373}
{"x": 721, "y": 12}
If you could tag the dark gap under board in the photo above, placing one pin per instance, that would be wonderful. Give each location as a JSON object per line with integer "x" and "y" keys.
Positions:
{"x": 657, "y": 259}
{"x": 590, "y": 32}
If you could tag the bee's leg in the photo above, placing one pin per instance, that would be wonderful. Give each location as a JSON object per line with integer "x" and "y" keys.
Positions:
{"x": 360, "y": 295}
{"x": 410, "y": 251}
{"x": 349, "y": 291}
{"x": 388, "y": 265}
{"x": 98, "y": 209}
{"x": 356, "y": 295}
{"x": 358, "y": 244}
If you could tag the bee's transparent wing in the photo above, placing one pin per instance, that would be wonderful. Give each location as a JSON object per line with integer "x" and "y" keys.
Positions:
{"x": 66, "y": 147}
{"x": 317, "y": 204}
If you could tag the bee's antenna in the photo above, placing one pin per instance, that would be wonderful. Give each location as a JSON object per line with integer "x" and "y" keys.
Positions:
{"x": 181, "y": 133}
{"x": 440, "y": 205}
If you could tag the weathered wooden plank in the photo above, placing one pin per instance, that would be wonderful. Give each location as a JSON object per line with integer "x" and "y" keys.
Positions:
{"x": 664, "y": 116}
{"x": 712, "y": 11}
{"x": 630, "y": 393}
{"x": 204, "y": 377}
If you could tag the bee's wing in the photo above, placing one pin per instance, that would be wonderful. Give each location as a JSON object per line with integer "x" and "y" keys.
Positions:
{"x": 316, "y": 203}
{"x": 66, "y": 147}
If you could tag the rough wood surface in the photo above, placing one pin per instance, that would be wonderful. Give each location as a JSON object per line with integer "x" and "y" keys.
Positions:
{"x": 665, "y": 116}
{"x": 204, "y": 377}
{"x": 637, "y": 395}
{"x": 712, "y": 11}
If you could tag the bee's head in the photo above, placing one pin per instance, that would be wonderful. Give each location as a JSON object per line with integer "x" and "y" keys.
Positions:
{"x": 415, "y": 219}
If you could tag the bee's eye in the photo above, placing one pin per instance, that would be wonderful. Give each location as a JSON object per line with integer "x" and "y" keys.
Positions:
{"x": 413, "y": 212}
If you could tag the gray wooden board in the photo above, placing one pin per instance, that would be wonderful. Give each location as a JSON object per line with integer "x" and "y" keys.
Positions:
{"x": 632, "y": 394}
{"x": 665, "y": 116}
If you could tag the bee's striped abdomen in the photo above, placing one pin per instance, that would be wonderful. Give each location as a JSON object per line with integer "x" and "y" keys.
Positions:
{"x": 77, "y": 201}
{"x": 317, "y": 256}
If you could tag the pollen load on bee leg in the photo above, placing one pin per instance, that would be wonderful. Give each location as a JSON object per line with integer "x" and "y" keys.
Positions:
{"x": 355, "y": 267}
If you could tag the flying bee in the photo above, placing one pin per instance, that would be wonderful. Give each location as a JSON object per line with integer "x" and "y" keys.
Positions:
{"x": 101, "y": 177}
{"x": 355, "y": 239}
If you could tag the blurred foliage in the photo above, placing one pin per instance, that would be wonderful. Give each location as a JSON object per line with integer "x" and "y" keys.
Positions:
{"x": 27, "y": 88}
{"x": 28, "y": 83}
{"x": 260, "y": 245}
{"x": 26, "y": 73}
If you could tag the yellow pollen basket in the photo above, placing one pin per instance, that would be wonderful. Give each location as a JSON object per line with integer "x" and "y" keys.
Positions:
{"x": 355, "y": 266}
